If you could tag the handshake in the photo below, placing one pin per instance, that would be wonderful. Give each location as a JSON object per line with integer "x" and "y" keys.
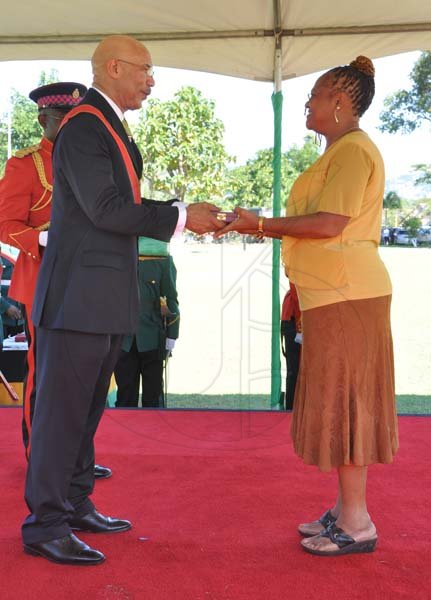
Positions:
{"x": 204, "y": 217}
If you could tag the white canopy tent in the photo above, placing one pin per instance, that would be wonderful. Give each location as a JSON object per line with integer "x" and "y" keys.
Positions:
{"x": 231, "y": 37}
{"x": 265, "y": 40}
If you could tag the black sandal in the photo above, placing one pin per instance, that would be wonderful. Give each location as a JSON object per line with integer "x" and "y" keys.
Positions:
{"x": 325, "y": 520}
{"x": 346, "y": 544}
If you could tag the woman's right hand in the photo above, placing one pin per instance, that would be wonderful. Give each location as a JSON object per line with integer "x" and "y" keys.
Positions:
{"x": 246, "y": 223}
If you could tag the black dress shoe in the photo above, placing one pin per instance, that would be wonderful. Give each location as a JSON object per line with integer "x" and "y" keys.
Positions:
{"x": 94, "y": 522}
{"x": 68, "y": 550}
{"x": 102, "y": 472}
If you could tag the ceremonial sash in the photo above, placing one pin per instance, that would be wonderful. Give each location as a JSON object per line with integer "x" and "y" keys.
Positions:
{"x": 87, "y": 108}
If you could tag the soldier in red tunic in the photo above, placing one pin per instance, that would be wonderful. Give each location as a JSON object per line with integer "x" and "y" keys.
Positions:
{"x": 25, "y": 209}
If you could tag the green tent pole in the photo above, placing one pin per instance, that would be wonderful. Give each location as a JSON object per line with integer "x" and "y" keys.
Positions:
{"x": 277, "y": 104}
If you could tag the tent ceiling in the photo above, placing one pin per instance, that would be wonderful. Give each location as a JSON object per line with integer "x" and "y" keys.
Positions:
{"x": 233, "y": 37}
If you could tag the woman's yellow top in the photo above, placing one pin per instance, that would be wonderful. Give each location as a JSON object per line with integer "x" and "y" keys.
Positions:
{"x": 348, "y": 179}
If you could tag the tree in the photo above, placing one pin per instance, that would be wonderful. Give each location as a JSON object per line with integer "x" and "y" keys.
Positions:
{"x": 51, "y": 77}
{"x": 407, "y": 109}
{"x": 425, "y": 177}
{"x": 301, "y": 157}
{"x": 251, "y": 185}
{"x": 412, "y": 226}
{"x": 25, "y": 129}
{"x": 420, "y": 209}
{"x": 3, "y": 143}
{"x": 181, "y": 142}
{"x": 391, "y": 202}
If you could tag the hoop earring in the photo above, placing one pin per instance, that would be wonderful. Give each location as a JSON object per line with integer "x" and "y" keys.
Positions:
{"x": 337, "y": 120}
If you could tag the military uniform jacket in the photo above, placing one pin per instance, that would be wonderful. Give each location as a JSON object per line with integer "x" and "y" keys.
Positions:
{"x": 88, "y": 277}
{"x": 25, "y": 210}
{"x": 157, "y": 279}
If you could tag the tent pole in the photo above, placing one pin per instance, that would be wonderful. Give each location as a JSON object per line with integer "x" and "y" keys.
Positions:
{"x": 277, "y": 103}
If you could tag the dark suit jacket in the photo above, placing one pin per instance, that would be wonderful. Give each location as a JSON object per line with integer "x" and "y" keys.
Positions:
{"x": 88, "y": 277}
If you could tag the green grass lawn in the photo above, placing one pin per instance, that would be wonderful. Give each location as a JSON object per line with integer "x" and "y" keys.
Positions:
{"x": 406, "y": 404}
{"x": 222, "y": 359}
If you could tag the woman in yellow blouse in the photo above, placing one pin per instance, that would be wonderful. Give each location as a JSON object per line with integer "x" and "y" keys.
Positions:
{"x": 344, "y": 414}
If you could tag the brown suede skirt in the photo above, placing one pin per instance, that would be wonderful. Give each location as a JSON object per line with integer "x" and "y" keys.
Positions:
{"x": 344, "y": 411}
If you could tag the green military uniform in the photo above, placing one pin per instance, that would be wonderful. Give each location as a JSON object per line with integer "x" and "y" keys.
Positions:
{"x": 143, "y": 353}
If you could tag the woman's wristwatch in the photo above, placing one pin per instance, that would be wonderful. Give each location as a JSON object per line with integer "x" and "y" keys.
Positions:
{"x": 260, "y": 232}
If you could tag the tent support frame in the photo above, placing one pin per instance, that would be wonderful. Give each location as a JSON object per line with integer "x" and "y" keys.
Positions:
{"x": 207, "y": 35}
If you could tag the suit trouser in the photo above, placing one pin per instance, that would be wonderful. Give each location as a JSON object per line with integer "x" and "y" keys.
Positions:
{"x": 292, "y": 353}
{"x": 73, "y": 375}
{"x": 29, "y": 379}
{"x": 133, "y": 365}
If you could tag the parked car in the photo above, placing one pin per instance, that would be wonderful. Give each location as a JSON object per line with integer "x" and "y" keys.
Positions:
{"x": 424, "y": 235}
{"x": 401, "y": 237}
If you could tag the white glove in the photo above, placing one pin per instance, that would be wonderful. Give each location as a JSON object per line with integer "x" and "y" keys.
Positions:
{"x": 170, "y": 344}
{"x": 43, "y": 238}
{"x": 298, "y": 338}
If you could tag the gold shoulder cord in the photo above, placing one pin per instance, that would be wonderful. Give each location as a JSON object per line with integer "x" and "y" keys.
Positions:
{"x": 38, "y": 163}
{"x": 26, "y": 151}
{"x": 44, "y": 227}
{"x": 43, "y": 200}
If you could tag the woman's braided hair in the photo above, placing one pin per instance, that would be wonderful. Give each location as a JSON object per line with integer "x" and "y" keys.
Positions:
{"x": 357, "y": 80}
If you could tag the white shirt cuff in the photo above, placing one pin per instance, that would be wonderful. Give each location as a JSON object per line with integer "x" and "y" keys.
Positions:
{"x": 43, "y": 238}
{"x": 170, "y": 343}
{"x": 298, "y": 337}
{"x": 182, "y": 218}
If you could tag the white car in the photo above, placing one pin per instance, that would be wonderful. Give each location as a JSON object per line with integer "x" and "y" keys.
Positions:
{"x": 402, "y": 237}
{"x": 424, "y": 235}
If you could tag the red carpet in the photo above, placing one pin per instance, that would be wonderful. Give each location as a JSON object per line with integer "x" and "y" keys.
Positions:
{"x": 218, "y": 495}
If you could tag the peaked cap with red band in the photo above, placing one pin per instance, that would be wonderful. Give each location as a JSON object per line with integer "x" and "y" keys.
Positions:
{"x": 58, "y": 95}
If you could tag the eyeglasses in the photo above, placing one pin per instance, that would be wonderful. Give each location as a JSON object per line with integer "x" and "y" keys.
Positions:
{"x": 149, "y": 69}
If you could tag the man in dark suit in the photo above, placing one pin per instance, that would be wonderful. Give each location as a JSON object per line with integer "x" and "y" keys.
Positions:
{"x": 25, "y": 214}
{"x": 87, "y": 296}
